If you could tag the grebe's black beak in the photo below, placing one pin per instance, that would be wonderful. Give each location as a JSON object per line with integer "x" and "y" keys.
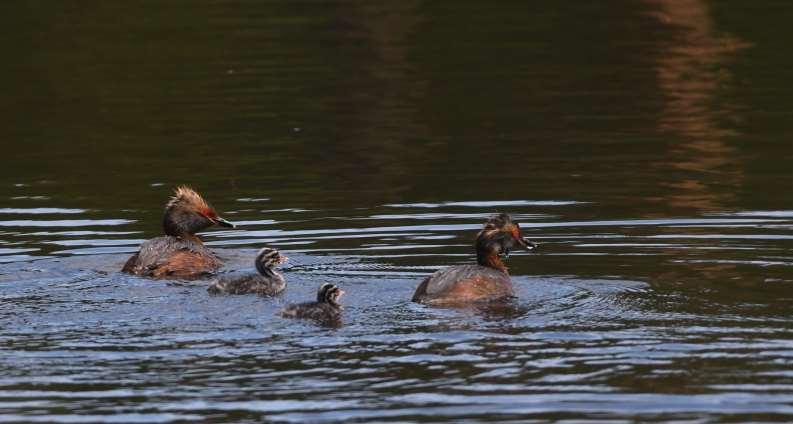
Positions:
{"x": 526, "y": 243}
{"x": 223, "y": 223}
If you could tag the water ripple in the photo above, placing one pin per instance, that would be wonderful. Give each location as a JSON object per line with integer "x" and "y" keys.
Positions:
{"x": 602, "y": 305}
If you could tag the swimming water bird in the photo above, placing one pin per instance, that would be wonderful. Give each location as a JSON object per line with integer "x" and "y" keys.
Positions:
{"x": 179, "y": 253}
{"x": 326, "y": 310}
{"x": 267, "y": 282}
{"x": 486, "y": 281}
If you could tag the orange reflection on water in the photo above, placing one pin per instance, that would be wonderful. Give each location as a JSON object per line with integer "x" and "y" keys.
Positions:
{"x": 691, "y": 74}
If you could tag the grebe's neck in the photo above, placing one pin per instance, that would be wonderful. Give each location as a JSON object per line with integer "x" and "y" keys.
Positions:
{"x": 488, "y": 244}
{"x": 266, "y": 271}
{"x": 490, "y": 259}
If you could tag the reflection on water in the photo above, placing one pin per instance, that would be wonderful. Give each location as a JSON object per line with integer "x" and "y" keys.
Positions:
{"x": 644, "y": 145}
{"x": 691, "y": 71}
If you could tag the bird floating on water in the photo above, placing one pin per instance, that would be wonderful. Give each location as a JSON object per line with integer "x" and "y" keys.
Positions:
{"x": 488, "y": 280}
{"x": 180, "y": 253}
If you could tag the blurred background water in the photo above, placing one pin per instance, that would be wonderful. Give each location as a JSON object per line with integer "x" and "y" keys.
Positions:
{"x": 646, "y": 145}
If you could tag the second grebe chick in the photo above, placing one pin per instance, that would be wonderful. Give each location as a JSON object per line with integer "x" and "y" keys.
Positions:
{"x": 179, "y": 253}
{"x": 268, "y": 282}
{"x": 325, "y": 310}
{"x": 488, "y": 280}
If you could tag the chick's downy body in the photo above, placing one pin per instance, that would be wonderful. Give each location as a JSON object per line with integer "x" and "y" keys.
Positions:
{"x": 267, "y": 282}
{"x": 325, "y": 310}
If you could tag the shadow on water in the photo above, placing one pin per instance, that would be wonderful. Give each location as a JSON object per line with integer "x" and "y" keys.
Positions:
{"x": 644, "y": 145}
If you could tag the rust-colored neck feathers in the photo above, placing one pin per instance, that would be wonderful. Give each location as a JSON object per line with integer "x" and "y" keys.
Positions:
{"x": 491, "y": 260}
{"x": 488, "y": 248}
{"x": 490, "y": 242}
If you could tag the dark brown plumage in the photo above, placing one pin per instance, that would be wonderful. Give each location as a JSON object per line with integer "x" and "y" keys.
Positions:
{"x": 267, "y": 282}
{"x": 326, "y": 310}
{"x": 486, "y": 281}
{"x": 179, "y": 253}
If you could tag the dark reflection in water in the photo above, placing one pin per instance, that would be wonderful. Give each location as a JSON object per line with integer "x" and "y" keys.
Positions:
{"x": 644, "y": 145}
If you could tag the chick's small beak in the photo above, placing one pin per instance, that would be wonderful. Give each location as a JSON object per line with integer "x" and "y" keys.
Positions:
{"x": 282, "y": 259}
{"x": 222, "y": 222}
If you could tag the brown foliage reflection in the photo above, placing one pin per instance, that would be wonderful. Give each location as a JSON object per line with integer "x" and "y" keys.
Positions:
{"x": 690, "y": 75}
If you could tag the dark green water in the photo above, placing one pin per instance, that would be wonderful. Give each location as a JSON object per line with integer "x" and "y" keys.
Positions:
{"x": 645, "y": 145}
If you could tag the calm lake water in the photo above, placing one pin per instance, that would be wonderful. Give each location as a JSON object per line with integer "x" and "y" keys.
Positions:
{"x": 645, "y": 145}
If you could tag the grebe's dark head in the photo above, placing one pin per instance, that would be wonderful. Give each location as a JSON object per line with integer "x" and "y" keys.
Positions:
{"x": 329, "y": 293}
{"x": 499, "y": 235}
{"x": 187, "y": 213}
{"x": 267, "y": 258}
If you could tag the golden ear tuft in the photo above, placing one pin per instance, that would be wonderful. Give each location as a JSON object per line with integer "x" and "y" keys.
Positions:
{"x": 184, "y": 194}
{"x": 184, "y": 191}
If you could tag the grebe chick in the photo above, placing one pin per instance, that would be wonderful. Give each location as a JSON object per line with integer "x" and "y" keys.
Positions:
{"x": 179, "y": 253}
{"x": 267, "y": 282}
{"x": 326, "y": 309}
{"x": 488, "y": 280}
